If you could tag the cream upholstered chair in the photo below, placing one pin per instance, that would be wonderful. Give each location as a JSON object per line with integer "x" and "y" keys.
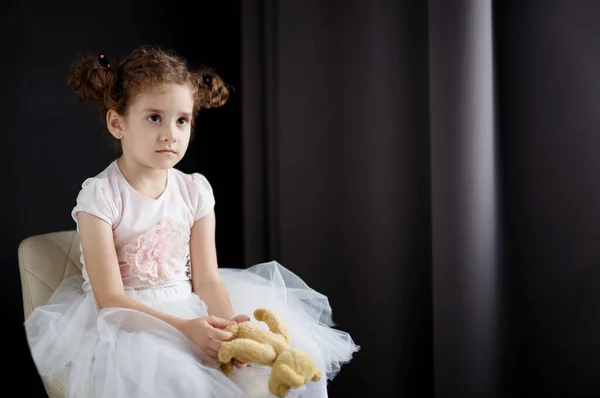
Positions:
{"x": 44, "y": 261}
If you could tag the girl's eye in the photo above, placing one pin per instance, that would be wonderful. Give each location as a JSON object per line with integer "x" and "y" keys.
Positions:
{"x": 154, "y": 118}
{"x": 182, "y": 120}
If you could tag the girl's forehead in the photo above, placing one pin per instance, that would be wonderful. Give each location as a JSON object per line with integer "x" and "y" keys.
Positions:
{"x": 164, "y": 94}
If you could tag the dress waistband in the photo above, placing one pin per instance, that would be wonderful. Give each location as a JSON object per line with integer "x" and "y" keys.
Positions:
{"x": 157, "y": 294}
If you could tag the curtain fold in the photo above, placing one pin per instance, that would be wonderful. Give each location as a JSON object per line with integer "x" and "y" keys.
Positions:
{"x": 465, "y": 192}
{"x": 260, "y": 130}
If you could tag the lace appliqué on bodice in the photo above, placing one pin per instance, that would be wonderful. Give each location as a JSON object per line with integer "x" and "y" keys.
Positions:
{"x": 157, "y": 255}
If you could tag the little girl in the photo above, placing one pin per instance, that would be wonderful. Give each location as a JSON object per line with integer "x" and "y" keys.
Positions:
{"x": 146, "y": 317}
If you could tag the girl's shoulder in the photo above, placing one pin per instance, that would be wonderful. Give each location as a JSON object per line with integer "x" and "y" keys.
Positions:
{"x": 194, "y": 182}
{"x": 196, "y": 190}
{"x": 100, "y": 195}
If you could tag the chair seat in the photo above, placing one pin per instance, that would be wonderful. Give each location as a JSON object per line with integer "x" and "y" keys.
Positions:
{"x": 54, "y": 387}
{"x": 44, "y": 262}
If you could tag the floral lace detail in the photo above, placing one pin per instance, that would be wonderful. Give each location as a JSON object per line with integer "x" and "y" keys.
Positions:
{"x": 158, "y": 254}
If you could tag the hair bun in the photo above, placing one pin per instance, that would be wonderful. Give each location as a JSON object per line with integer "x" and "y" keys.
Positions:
{"x": 90, "y": 79}
{"x": 212, "y": 90}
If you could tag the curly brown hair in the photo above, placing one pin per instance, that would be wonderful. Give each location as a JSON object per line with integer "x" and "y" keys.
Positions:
{"x": 113, "y": 86}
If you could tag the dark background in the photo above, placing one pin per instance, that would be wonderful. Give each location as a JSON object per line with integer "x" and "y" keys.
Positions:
{"x": 56, "y": 142}
{"x": 349, "y": 154}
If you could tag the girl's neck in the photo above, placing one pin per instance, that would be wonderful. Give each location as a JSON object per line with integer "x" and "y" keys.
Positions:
{"x": 148, "y": 181}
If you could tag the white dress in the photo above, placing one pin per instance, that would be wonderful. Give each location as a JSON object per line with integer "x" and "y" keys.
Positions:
{"x": 116, "y": 352}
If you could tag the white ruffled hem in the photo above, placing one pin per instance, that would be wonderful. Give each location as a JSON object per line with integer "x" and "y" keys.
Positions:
{"x": 116, "y": 352}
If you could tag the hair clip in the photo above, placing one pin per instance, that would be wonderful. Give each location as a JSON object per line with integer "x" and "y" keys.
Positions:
{"x": 104, "y": 61}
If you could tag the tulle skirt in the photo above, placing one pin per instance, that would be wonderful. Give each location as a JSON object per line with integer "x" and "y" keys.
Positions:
{"x": 118, "y": 353}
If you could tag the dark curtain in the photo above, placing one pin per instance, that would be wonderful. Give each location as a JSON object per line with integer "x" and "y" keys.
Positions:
{"x": 548, "y": 84}
{"x": 431, "y": 167}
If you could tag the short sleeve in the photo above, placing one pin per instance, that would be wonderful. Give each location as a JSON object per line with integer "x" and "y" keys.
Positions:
{"x": 96, "y": 198}
{"x": 205, "y": 195}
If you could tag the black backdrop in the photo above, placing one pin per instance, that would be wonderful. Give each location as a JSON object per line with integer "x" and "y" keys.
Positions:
{"x": 55, "y": 142}
{"x": 430, "y": 166}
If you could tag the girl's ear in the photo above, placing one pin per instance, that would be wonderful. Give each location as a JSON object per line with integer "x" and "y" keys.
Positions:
{"x": 115, "y": 124}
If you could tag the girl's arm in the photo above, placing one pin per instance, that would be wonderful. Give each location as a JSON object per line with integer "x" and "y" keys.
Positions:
{"x": 206, "y": 281}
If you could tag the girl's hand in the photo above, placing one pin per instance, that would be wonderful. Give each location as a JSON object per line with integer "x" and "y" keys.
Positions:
{"x": 207, "y": 333}
{"x": 239, "y": 319}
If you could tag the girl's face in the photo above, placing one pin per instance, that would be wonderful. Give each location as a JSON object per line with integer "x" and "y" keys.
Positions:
{"x": 156, "y": 130}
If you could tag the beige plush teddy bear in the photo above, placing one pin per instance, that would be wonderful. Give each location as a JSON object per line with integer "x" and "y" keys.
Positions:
{"x": 252, "y": 343}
